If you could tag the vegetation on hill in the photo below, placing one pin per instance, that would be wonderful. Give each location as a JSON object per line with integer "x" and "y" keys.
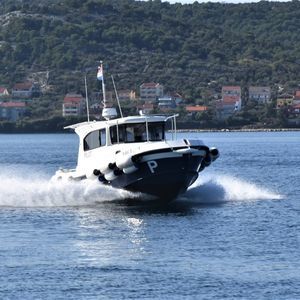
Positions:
{"x": 185, "y": 47}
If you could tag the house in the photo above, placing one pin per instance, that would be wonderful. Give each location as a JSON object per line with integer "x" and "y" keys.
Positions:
{"x": 227, "y": 108}
{"x": 127, "y": 95}
{"x": 230, "y": 103}
{"x": 73, "y": 105}
{"x": 166, "y": 103}
{"x": 177, "y": 98}
{"x": 231, "y": 91}
{"x": 232, "y": 95}
{"x": 25, "y": 90}
{"x": 196, "y": 108}
{"x": 296, "y": 98}
{"x": 294, "y": 114}
{"x": 295, "y": 109}
{"x": 260, "y": 94}
{"x": 290, "y": 107}
{"x": 284, "y": 102}
{"x": 3, "y": 91}
{"x": 12, "y": 111}
{"x": 150, "y": 92}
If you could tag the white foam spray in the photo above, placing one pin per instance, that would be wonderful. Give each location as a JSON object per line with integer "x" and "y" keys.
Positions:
{"x": 37, "y": 191}
{"x": 223, "y": 188}
{"x": 32, "y": 189}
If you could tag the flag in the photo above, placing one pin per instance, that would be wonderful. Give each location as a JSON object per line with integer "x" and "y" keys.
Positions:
{"x": 100, "y": 73}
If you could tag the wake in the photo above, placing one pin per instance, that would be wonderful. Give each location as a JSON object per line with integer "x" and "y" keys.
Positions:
{"x": 225, "y": 188}
{"x": 35, "y": 190}
{"x": 41, "y": 192}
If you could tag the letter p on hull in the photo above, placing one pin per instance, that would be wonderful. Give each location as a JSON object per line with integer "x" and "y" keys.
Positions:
{"x": 152, "y": 164}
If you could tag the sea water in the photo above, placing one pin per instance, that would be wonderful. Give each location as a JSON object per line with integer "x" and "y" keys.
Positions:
{"x": 233, "y": 235}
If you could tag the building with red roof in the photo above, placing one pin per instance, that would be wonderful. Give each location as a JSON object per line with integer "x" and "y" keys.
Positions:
{"x": 297, "y": 94}
{"x": 151, "y": 91}
{"x": 26, "y": 89}
{"x": 177, "y": 97}
{"x": 196, "y": 108}
{"x": 231, "y": 101}
{"x": 73, "y": 105}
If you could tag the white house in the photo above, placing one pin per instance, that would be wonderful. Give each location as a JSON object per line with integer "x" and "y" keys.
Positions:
{"x": 260, "y": 94}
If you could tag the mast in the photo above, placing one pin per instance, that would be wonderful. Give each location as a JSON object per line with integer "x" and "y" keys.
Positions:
{"x": 117, "y": 96}
{"x": 108, "y": 112}
{"x": 103, "y": 83}
{"x": 86, "y": 99}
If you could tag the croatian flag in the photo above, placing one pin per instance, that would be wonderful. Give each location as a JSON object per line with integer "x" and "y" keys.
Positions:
{"x": 100, "y": 73}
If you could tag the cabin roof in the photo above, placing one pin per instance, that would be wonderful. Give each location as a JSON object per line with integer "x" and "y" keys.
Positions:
{"x": 86, "y": 127}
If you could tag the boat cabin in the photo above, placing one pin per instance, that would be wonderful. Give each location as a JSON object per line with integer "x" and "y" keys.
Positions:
{"x": 125, "y": 130}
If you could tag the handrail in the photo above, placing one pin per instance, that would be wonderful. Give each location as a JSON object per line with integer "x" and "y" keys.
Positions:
{"x": 117, "y": 96}
{"x": 147, "y": 129}
{"x": 118, "y": 139}
{"x": 174, "y": 127}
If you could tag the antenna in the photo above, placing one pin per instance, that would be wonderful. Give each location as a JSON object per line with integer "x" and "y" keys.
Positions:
{"x": 86, "y": 99}
{"x": 108, "y": 113}
{"x": 117, "y": 96}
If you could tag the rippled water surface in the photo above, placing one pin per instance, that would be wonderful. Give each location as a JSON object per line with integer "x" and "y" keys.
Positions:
{"x": 233, "y": 235}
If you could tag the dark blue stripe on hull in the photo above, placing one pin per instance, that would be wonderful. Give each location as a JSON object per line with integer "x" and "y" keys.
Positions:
{"x": 164, "y": 178}
{"x": 162, "y": 188}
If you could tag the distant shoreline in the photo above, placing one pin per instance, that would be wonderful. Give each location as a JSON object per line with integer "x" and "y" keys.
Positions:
{"x": 170, "y": 131}
{"x": 57, "y": 124}
{"x": 240, "y": 130}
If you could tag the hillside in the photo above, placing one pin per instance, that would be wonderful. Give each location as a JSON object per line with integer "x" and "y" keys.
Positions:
{"x": 185, "y": 47}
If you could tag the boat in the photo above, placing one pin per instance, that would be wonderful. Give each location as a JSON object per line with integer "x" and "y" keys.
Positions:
{"x": 137, "y": 153}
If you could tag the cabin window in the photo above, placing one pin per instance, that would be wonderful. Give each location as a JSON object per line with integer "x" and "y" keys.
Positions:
{"x": 156, "y": 131}
{"x": 94, "y": 139}
{"x": 134, "y": 133}
{"x": 102, "y": 137}
{"x": 113, "y": 135}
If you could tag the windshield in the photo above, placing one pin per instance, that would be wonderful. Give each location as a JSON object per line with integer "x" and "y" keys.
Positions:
{"x": 137, "y": 132}
{"x": 94, "y": 139}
